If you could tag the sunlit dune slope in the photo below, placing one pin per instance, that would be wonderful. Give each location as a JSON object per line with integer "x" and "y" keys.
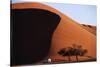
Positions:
{"x": 68, "y": 32}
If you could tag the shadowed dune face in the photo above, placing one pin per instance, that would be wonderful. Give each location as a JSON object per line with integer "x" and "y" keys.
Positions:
{"x": 32, "y": 31}
{"x": 68, "y": 32}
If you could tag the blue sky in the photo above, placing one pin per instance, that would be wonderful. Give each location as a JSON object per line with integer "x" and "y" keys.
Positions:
{"x": 84, "y": 14}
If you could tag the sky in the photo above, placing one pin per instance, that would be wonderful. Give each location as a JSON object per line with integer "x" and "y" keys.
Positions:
{"x": 83, "y": 14}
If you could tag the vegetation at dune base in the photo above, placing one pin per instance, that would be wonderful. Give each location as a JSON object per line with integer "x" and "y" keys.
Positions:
{"x": 75, "y": 50}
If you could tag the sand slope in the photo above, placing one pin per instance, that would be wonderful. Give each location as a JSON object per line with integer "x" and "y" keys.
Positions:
{"x": 90, "y": 28}
{"x": 67, "y": 33}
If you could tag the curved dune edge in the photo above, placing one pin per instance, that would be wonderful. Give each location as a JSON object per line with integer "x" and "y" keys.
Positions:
{"x": 67, "y": 33}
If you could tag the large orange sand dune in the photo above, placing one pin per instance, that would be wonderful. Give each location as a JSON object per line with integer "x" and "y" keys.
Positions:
{"x": 68, "y": 32}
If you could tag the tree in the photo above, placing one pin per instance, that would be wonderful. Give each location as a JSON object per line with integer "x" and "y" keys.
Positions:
{"x": 65, "y": 52}
{"x": 75, "y": 50}
{"x": 78, "y": 51}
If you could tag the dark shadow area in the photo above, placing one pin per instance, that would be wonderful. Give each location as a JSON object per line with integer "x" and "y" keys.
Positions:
{"x": 89, "y": 26}
{"x": 83, "y": 24}
{"x": 31, "y": 34}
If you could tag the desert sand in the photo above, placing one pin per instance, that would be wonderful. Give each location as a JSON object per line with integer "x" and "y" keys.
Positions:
{"x": 90, "y": 28}
{"x": 67, "y": 33}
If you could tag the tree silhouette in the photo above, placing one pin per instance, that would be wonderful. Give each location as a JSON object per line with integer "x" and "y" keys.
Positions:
{"x": 75, "y": 50}
{"x": 65, "y": 52}
{"x": 78, "y": 51}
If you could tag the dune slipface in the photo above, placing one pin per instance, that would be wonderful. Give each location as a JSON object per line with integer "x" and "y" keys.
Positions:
{"x": 32, "y": 31}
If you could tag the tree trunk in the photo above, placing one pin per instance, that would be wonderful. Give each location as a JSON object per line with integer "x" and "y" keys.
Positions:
{"x": 69, "y": 59}
{"x": 77, "y": 58}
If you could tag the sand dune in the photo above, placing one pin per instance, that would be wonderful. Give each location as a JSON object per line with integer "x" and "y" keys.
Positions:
{"x": 68, "y": 32}
{"x": 90, "y": 28}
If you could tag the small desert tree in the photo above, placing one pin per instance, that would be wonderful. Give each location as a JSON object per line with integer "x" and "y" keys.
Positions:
{"x": 65, "y": 52}
{"x": 78, "y": 51}
{"x": 75, "y": 50}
